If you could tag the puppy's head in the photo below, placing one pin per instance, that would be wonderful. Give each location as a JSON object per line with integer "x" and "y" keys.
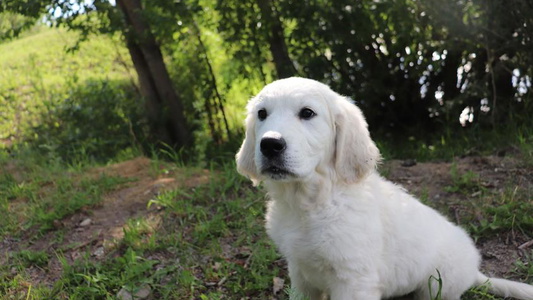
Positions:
{"x": 296, "y": 128}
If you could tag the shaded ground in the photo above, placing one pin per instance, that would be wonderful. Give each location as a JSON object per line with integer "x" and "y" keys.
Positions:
{"x": 96, "y": 231}
{"x": 433, "y": 181}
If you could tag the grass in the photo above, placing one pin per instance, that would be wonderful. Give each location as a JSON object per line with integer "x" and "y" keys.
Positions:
{"x": 203, "y": 242}
{"x": 492, "y": 212}
{"x": 206, "y": 241}
{"x": 466, "y": 183}
{"x": 44, "y": 195}
{"x": 525, "y": 267}
{"x": 488, "y": 212}
{"x": 36, "y": 73}
{"x": 225, "y": 212}
{"x": 87, "y": 102}
{"x": 59, "y": 111}
{"x": 512, "y": 211}
{"x": 27, "y": 258}
{"x": 456, "y": 142}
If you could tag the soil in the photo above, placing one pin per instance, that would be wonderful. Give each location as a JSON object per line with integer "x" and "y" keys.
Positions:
{"x": 97, "y": 230}
{"x": 496, "y": 173}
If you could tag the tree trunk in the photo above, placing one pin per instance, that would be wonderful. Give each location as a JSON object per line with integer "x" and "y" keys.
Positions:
{"x": 164, "y": 108}
{"x": 276, "y": 39}
{"x": 219, "y": 105}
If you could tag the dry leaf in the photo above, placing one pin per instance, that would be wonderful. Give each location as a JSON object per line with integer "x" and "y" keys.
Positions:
{"x": 277, "y": 284}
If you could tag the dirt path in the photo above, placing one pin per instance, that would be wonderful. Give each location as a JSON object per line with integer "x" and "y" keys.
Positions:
{"x": 99, "y": 229}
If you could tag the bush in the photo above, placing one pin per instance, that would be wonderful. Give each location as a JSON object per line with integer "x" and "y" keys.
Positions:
{"x": 98, "y": 121}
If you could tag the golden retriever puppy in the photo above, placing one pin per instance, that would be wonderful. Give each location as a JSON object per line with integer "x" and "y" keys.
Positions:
{"x": 346, "y": 232}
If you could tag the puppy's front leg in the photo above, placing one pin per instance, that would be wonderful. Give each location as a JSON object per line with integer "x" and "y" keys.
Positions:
{"x": 300, "y": 290}
{"x": 300, "y": 287}
{"x": 343, "y": 290}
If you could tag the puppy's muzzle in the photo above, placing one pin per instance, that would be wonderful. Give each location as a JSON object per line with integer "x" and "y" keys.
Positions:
{"x": 273, "y": 147}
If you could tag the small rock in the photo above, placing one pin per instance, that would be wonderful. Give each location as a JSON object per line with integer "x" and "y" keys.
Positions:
{"x": 57, "y": 224}
{"x": 85, "y": 222}
{"x": 123, "y": 294}
{"x": 99, "y": 252}
{"x": 143, "y": 293}
{"x": 475, "y": 194}
{"x": 216, "y": 266}
{"x": 409, "y": 163}
{"x": 277, "y": 285}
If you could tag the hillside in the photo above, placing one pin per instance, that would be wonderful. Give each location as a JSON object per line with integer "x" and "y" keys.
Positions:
{"x": 37, "y": 71}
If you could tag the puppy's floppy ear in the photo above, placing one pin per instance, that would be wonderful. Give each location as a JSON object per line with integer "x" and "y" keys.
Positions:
{"x": 245, "y": 156}
{"x": 355, "y": 152}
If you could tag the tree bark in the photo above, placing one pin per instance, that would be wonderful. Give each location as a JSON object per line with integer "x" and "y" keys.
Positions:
{"x": 276, "y": 39}
{"x": 164, "y": 107}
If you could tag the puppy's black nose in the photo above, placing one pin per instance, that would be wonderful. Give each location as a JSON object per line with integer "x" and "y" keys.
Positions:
{"x": 272, "y": 147}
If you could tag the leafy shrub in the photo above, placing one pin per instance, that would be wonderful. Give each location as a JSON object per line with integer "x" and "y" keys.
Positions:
{"x": 97, "y": 121}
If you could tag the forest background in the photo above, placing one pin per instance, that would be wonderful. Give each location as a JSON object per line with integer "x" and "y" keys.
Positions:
{"x": 425, "y": 73}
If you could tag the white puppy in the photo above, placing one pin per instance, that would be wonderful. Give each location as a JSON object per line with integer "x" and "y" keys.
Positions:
{"x": 345, "y": 231}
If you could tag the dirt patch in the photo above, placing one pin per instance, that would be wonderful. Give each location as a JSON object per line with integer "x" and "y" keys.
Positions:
{"x": 98, "y": 229}
{"x": 432, "y": 181}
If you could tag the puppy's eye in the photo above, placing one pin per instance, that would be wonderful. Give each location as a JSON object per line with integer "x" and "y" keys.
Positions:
{"x": 262, "y": 114}
{"x": 306, "y": 114}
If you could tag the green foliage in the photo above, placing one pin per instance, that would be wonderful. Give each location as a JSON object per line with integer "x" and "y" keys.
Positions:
{"x": 50, "y": 195}
{"x": 67, "y": 105}
{"x": 205, "y": 241}
{"x": 241, "y": 26}
{"x": 466, "y": 141}
{"x": 13, "y": 24}
{"x": 400, "y": 59}
{"x": 512, "y": 211}
{"x": 525, "y": 267}
{"x": 27, "y": 258}
{"x": 72, "y": 196}
{"x": 480, "y": 293}
{"x": 88, "y": 280}
{"x": 405, "y": 65}
{"x": 466, "y": 183}
{"x": 97, "y": 120}
{"x": 435, "y": 286}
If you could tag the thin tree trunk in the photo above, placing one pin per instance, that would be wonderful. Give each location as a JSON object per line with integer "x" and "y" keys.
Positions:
{"x": 164, "y": 106}
{"x": 278, "y": 47}
{"x": 256, "y": 47}
{"x": 152, "y": 102}
{"x": 212, "y": 78}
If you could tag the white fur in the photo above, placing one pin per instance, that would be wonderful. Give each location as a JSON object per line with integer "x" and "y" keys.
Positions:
{"x": 345, "y": 231}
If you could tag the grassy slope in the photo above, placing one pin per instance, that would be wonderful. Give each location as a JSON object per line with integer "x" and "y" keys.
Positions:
{"x": 36, "y": 69}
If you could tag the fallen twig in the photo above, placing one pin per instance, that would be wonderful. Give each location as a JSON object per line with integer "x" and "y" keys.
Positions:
{"x": 525, "y": 245}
